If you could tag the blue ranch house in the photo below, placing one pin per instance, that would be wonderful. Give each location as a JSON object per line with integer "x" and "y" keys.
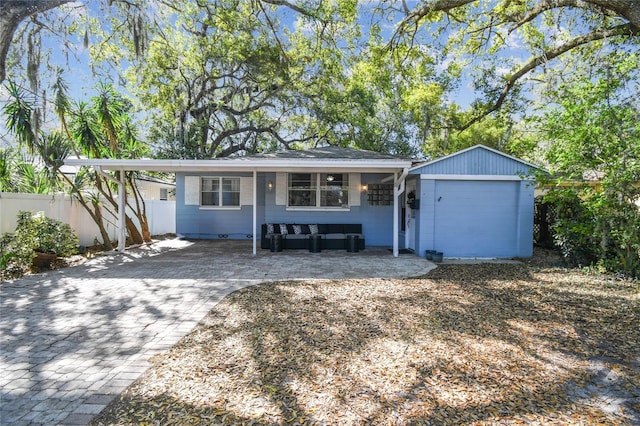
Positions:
{"x": 476, "y": 203}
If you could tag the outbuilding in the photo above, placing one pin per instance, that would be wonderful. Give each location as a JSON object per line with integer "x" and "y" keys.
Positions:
{"x": 475, "y": 203}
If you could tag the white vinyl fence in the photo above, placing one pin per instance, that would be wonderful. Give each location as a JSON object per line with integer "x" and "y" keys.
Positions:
{"x": 161, "y": 214}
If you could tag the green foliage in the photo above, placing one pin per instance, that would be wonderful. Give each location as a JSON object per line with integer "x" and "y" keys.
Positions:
{"x": 594, "y": 135}
{"x": 17, "y": 174}
{"x": 594, "y": 230}
{"x": 15, "y": 257}
{"x": 496, "y": 132}
{"x": 34, "y": 233}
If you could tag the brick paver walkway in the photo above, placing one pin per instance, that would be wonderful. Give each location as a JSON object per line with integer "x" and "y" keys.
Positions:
{"x": 71, "y": 340}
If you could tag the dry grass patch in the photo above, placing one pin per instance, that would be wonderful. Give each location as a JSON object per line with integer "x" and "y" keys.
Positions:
{"x": 485, "y": 344}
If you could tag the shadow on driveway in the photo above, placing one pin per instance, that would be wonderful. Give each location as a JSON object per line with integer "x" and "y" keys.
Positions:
{"x": 73, "y": 339}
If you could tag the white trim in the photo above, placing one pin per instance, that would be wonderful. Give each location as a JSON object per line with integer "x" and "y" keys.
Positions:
{"x": 281, "y": 189}
{"x": 319, "y": 184}
{"x": 244, "y": 164}
{"x": 246, "y": 191}
{"x": 396, "y": 193}
{"x": 398, "y": 189}
{"x": 192, "y": 190}
{"x": 355, "y": 183}
{"x": 221, "y": 192}
{"x": 473, "y": 177}
{"x": 255, "y": 212}
{"x": 122, "y": 206}
{"x": 495, "y": 151}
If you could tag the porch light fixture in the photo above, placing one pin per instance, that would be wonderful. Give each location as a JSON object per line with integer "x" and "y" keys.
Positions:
{"x": 364, "y": 188}
{"x": 270, "y": 186}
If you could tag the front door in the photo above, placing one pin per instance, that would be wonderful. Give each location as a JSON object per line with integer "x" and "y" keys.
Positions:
{"x": 410, "y": 217}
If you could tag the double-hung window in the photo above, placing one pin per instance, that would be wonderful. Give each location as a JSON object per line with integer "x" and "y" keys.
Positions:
{"x": 220, "y": 191}
{"x": 320, "y": 190}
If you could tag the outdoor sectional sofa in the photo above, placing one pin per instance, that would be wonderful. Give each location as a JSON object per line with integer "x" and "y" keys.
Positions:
{"x": 333, "y": 236}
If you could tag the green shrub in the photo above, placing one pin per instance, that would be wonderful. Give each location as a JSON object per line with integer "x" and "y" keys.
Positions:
{"x": 34, "y": 233}
{"x": 595, "y": 229}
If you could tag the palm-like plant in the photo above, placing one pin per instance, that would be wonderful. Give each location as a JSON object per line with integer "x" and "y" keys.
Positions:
{"x": 7, "y": 181}
{"x": 85, "y": 131}
{"x": 52, "y": 148}
{"x": 31, "y": 179}
{"x": 61, "y": 102}
{"x": 109, "y": 108}
{"x": 19, "y": 113}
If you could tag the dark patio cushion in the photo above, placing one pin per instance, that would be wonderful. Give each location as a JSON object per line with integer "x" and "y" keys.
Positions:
{"x": 352, "y": 228}
{"x": 297, "y": 236}
{"x": 334, "y": 228}
{"x": 353, "y": 233}
{"x": 305, "y": 229}
{"x": 323, "y": 228}
{"x": 335, "y": 236}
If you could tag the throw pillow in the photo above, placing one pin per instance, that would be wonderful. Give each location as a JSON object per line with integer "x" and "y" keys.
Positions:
{"x": 269, "y": 228}
{"x": 297, "y": 229}
{"x": 283, "y": 229}
{"x": 313, "y": 229}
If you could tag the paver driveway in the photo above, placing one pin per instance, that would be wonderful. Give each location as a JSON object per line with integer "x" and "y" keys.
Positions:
{"x": 73, "y": 339}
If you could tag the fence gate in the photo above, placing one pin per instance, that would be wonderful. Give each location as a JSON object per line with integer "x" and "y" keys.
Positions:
{"x": 544, "y": 217}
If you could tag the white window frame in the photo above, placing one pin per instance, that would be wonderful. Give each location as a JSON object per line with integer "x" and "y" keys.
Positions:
{"x": 221, "y": 205}
{"x": 318, "y": 189}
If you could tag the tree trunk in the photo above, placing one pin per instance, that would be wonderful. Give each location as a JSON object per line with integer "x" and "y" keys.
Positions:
{"x": 140, "y": 209}
{"x": 134, "y": 235}
{"x": 11, "y": 14}
{"x": 97, "y": 218}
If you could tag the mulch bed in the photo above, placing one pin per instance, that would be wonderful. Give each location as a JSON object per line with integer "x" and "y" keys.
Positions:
{"x": 465, "y": 344}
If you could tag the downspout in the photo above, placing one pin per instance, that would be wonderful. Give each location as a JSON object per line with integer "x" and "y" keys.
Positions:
{"x": 398, "y": 188}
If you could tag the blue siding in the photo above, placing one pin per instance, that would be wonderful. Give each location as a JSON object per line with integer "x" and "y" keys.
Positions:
{"x": 477, "y": 161}
{"x": 377, "y": 221}
{"x": 525, "y": 219}
{"x": 194, "y": 222}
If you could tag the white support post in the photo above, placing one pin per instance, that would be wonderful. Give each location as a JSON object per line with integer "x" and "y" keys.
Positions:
{"x": 398, "y": 189}
{"x": 396, "y": 193}
{"x": 255, "y": 212}
{"x": 122, "y": 205}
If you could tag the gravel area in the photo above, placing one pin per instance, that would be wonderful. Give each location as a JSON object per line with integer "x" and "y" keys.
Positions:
{"x": 528, "y": 343}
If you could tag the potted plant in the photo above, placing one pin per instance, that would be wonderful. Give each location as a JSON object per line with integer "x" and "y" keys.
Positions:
{"x": 47, "y": 238}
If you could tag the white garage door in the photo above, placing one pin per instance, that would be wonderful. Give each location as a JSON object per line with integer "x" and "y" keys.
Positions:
{"x": 476, "y": 218}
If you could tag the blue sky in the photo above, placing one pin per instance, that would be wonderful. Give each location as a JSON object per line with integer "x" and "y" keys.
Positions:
{"x": 74, "y": 57}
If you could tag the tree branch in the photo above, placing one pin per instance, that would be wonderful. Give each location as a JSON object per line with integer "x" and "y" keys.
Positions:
{"x": 619, "y": 30}
{"x": 414, "y": 16}
{"x": 12, "y": 13}
{"x": 291, "y": 6}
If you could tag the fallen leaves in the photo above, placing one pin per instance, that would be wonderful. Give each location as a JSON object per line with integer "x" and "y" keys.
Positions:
{"x": 476, "y": 344}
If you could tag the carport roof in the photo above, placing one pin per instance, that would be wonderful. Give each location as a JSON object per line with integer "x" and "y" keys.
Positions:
{"x": 318, "y": 158}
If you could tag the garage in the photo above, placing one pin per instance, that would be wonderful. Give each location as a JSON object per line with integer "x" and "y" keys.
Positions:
{"x": 490, "y": 230}
{"x": 476, "y": 203}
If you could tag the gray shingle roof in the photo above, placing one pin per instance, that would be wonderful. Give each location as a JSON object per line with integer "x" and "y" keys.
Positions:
{"x": 327, "y": 153}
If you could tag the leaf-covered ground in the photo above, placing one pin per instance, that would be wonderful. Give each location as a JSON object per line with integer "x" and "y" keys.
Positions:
{"x": 465, "y": 344}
